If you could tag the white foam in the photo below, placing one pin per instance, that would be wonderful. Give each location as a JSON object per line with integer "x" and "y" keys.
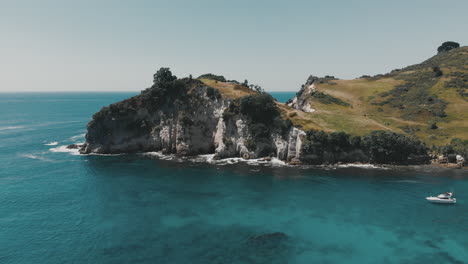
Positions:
{"x": 209, "y": 158}
{"x": 76, "y": 151}
{"x": 31, "y": 156}
{"x": 11, "y": 127}
{"x": 80, "y": 136}
{"x": 360, "y": 165}
{"x": 159, "y": 155}
{"x": 55, "y": 143}
{"x": 64, "y": 149}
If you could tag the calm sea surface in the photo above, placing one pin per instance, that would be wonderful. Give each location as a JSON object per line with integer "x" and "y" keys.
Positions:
{"x": 56, "y": 207}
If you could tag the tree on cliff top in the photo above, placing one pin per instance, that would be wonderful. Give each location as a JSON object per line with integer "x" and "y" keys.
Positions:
{"x": 448, "y": 45}
{"x": 260, "y": 108}
{"x": 163, "y": 75}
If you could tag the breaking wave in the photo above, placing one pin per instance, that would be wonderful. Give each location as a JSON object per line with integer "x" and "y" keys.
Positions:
{"x": 64, "y": 149}
{"x": 209, "y": 158}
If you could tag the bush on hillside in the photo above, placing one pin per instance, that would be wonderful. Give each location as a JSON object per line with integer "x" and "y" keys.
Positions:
{"x": 328, "y": 99}
{"x": 211, "y": 76}
{"x": 437, "y": 71}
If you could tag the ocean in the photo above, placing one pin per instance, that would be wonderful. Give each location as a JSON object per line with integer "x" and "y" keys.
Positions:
{"x": 60, "y": 207}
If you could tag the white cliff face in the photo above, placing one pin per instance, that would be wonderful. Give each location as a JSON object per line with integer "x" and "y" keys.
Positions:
{"x": 295, "y": 144}
{"x": 190, "y": 127}
{"x": 306, "y": 108}
{"x": 300, "y": 103}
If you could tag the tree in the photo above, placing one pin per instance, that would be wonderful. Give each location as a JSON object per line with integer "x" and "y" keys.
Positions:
{"x": 389, "y": 147}
{"x": 163, "y": 75}
{"x": 448, "y": 45}
{"x": 246, "y": 83}
{"x": 260, "y": 108}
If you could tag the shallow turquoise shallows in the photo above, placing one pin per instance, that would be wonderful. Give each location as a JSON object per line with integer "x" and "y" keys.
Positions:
{"x": 56, "y": 207}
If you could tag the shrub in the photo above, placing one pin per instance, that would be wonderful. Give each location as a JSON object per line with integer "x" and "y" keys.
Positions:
{"x": 211, "y": 76}
{"x": 437, "y": 71}
{"x": 328, "y": 99}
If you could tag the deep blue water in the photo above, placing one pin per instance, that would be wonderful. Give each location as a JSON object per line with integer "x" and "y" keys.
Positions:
{"x": 56, "y": 207}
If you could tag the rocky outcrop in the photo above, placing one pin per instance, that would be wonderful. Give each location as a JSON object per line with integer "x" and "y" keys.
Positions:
{"x": 187, "y": 122}
{"x": 301, "y": 100}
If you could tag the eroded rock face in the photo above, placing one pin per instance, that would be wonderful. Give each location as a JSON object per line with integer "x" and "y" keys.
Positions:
{"x": 300, "y": 101}
{"x": 187, "y": 123}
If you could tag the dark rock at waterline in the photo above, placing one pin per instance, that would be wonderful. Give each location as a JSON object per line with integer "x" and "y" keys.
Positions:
{"x": 74, "y": 146}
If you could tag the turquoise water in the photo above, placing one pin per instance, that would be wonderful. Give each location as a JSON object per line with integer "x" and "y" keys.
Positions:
{"x": 283, "y": 96}
{"x": 57, "y": 207}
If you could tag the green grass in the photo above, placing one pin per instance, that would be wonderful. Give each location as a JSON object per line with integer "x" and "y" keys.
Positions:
{"x": 367, "y": 112}
{"x": 360, "y": 108}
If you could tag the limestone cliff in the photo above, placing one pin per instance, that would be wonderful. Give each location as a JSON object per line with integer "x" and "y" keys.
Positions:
{"x": 188, "y": 117}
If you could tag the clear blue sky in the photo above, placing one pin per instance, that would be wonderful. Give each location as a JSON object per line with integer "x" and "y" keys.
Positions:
{"x": 118, "y": 45}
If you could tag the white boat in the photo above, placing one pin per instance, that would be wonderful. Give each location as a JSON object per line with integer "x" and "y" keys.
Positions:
{"x": 443, "y": 198}
{"x": 445, "y": 195}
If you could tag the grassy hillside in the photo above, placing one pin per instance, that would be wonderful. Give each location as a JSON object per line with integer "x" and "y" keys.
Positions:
{"x": 232, "y": 90}
{"x": 428, "y": 100}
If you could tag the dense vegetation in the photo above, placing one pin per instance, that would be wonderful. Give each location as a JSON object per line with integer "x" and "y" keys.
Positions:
{"x": 263, "y": 119}
{"x": 166, "y": 88}
{"x": 456, "y": 147}
{"x": 377, "y": 147}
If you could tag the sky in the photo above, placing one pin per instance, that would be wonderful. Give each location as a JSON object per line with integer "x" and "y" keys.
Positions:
{"x": 119, "y": 45}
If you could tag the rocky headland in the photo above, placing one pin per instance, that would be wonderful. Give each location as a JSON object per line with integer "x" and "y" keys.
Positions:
{"x": 413, "y": 115}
